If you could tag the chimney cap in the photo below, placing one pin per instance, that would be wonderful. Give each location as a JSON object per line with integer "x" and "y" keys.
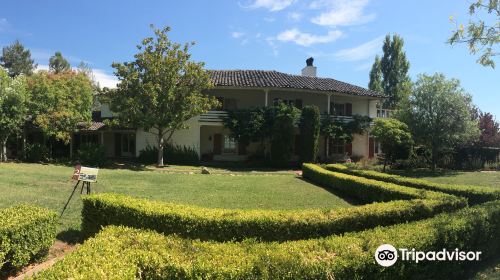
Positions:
{"x": 309, "y": 61}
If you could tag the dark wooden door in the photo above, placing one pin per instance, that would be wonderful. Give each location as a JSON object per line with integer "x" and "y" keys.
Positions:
{"x": 217, "y": 144}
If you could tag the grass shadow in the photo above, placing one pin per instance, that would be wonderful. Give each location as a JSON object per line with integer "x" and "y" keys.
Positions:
{"x": 349, "y": 199}
{"x": 70, "y": 236}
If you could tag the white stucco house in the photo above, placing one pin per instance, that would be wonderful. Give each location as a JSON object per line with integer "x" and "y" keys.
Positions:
{"x": 246, "y": 89}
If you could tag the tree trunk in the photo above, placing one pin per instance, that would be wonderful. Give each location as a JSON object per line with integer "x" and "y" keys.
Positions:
{"x": 327, "y": 148}
{"x": 385, "y": 162}
{"x": 160, "y": 148}
{"x": 3, "y": 154}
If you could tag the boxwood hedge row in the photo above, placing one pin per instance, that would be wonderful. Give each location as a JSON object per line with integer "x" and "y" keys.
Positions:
{"x": 268, "y": 225}
{"x": 125, "y": 253}
{"x": 474, "y": 194}
{"x": 26, "y": 232}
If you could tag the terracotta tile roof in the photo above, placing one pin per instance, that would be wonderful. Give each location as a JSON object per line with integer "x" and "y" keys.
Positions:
{"x": 275, "y": 79}
{"x": 92, "y": 126}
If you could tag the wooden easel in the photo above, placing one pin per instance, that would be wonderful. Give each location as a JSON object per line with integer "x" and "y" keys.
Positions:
{"x": 85, "y": 185}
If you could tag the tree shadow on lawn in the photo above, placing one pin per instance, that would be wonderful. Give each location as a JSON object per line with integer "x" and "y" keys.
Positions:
{"x": 349, "y": 199}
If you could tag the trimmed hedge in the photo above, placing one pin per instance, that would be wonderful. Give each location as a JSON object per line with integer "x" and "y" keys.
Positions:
{"x": 363, "y": 189}
{"x": 474, "y": 194}
{"x": 26, "y": 233}
{"x": 125, "y": 253}
{"x": 100, "y": 210}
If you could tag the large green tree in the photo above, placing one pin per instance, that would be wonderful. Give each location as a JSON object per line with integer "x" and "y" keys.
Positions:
{"x": 13, "y": 110}
{"x": 394, "y": 138}
{"x": 161, "y": 89}
{"x": 58, "y": 64}
{"x": 482, "y": 33}
{"x": 389, "y": 75}
{"x": 438, "y": 115}
{"x": 17, "y": 60}
{"x": 59, "y": 102}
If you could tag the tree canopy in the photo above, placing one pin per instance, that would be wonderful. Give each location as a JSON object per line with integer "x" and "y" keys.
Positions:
{"x": 58, "y": 64}
{"x": 438, "y": 114}
{"x": 161, "y": 89}
{"x": 375, "y": 83}
{"x": 59, "y": 102}
{"x": 13, "y": 111}
{"x": 17, "y": 60}
{"x": 394, "y": 137}
{"x": 482, "y": 34}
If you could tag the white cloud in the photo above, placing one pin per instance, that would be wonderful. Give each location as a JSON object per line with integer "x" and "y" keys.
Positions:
{"x": 294, "y": 16}
{"x": 307, "y": 39}
{"x": 271, "y": 5}
{"x": 4, "y": 24}
{"x": 341, "y": 12}
{"x": 105, "y": 79}
{"x": 363, "y": 51}
{"x": 102, "y": 77}
{"x": 237, "y": 35}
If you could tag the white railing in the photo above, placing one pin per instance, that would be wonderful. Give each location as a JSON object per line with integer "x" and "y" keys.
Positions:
{"x": 213, "y": 116}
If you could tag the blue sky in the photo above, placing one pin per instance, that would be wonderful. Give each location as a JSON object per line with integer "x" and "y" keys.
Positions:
{"x": 343, "y": 36}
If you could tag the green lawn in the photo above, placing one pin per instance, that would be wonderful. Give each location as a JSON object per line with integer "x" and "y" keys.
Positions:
{"x": 489, "y": 179}
{"x": 49, "y": 186}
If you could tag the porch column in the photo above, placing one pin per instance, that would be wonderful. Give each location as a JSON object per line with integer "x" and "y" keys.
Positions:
{"x": 328, "y": 104}
{"x": 266, "y": 92}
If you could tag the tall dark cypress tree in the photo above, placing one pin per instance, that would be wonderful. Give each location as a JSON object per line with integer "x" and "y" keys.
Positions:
{"x": 376, "y": 77}
{"x": 394, "y": 65}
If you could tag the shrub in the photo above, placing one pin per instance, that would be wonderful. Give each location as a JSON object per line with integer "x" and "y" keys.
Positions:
{"x": 224, "y": 224}
{"x": 26, "y": 232}
{"x": 282, "y": 141}
{"x": 366, "y": 190}
{"x": 475, "y": 194}
{"x": 125, "y": 253}
{"x": 92, "y": 154}
{"x": 172, "y": 154}
{"x": 309, "y": 133}
{"x": 36, "y": 153}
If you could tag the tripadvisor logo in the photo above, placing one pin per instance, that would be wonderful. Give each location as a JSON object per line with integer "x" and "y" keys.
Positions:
{"x": 386, "y": 255}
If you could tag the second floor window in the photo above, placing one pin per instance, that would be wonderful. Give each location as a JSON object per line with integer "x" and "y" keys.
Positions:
{"x": 341, "y": 109}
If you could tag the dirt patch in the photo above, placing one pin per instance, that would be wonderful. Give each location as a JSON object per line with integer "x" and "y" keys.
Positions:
{"x": 56, "y": 252}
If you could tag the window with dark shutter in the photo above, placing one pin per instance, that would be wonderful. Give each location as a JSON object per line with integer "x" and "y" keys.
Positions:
{"x": 348, "y": 109}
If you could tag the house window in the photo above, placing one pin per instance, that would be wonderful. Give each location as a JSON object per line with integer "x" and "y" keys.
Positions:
{"x": 290, "y": 102}
{"x": 337, "y": 109}
{"x": 337, "y": 147}
{"x": 377, "y": 144}
{"x": 229, "y": 104}
{"x": 229, "y": 145}
{"x": 128, "y": 144}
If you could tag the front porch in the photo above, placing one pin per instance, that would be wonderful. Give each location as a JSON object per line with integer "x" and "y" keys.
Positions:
{"x": 120, "y": 143}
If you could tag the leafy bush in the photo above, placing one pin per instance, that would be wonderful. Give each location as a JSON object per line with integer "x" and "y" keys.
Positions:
{"x": 172, "y": 154}
{"x": 475, "y": 194}
{"x": 125, "y": 253}
{"x": 309, "y": 133}
{"x": 26, "y": 232}
{"x": 367, "y": 190}
{"x": 92, "y": 154}
{"x": 224, "y": 224}
{"x": 37, "y": 153}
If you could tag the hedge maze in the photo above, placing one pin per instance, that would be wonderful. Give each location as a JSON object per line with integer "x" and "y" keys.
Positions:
{"x": 26, "y": 234}
{"x": 132, "y": 238}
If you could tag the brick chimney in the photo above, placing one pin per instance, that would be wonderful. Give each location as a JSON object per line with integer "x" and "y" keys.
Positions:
{"x": 309, "y": 70}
